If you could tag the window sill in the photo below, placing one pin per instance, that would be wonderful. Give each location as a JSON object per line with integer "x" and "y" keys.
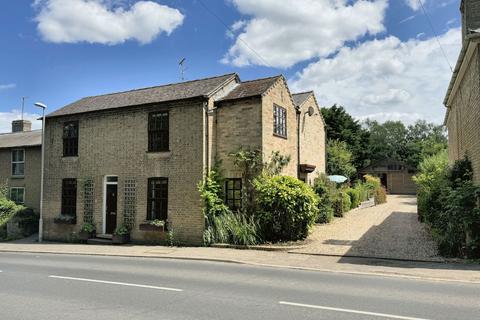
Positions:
{"x": 280, "y": 136}
{"x": 59, "y": 220}
{"x": 159, "y": 154}
{"x": 18, "y": 177}
{"x": 70, "y": 157}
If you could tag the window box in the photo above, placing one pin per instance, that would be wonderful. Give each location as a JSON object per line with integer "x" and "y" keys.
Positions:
{"x": 84, "y": 235}
{"x": 64, "y": 219}
{"x": 147, "y": 226}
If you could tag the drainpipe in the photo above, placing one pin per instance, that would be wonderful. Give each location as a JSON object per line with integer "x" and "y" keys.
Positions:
{"x": 298, "y": 113}
{"x": 207, "y": 153}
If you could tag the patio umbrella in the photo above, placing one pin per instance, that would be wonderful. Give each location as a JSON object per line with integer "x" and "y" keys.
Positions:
{"x": 337, "y": 178}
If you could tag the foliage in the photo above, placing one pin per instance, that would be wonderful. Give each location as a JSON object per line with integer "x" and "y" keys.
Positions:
{"x": 339, "y": 159}
{"x": 324, "y": 189}
{"x": 342, "y": 127}
{"x": 354, "y": 195}
{"x": 8, "y": 209}
{"x": 277, "y": 163}
{"x": 372, "y": 182}
{"x": 122, "y": 230}
{"x": 286, "y": 207}
{"x": 380, "y": 195}
{"x": 341, "y": 203}
{"x": 392, "y": 140}
{"x": 448, "y": 202}
{"x": 222, "y": 225}
{"x": 3, "y": 190}
{"x": 88, "y": 227}
{"x": 362, "y": 190}
{"x": 157, "y": 223}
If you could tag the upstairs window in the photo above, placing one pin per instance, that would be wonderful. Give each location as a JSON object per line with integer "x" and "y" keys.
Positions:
{"x": 233, "y": 193}
{"x": 18, "y": 162}
{"x": 279, "y": 121}
{"x": 17, "y": 195}
{"x": 69, "y": 197}
{"x": 158, "y": 131}
{"x": 70, "y": 139}
{"x": 157, "y": 200}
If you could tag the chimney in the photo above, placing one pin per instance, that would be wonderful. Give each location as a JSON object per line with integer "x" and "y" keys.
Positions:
{"x": 21, "y": 125}
{"x": 470, "y": 10}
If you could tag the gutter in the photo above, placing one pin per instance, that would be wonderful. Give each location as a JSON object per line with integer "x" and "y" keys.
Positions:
{"x": 298, "y": 114}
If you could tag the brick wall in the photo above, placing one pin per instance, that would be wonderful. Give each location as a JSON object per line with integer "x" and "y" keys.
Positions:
{"x": 464, "y": 118}
{"x": 115, "y": 143}
{"x": 31, "y": 179}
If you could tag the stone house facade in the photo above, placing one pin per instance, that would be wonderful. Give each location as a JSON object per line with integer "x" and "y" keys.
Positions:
{"x": 463, "y": 96}
{"x": 20, "y": 164}
{"x": 137, "y": 156}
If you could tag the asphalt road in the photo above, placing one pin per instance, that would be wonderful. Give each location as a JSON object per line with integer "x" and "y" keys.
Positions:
{"x": 43, "y": 286}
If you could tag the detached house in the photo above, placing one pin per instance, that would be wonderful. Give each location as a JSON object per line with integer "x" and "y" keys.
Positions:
{"x": 463, "y": 97}
{"x": 139, "y": 155}
{"x": 20, "y": 163}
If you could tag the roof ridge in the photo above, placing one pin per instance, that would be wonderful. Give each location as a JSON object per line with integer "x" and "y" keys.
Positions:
{"x": 303, "y": 92}
{"x": 159, "y": 86}
{"x": 5, "y": 133}
{"x": 253, "y": 80}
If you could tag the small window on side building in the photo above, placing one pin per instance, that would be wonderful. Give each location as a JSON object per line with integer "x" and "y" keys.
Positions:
{"x": 233, "y": 193}
{"x": 70, "y": 139}
{"x": 69, "y": 197}
{"x": 279, "y": 121}
{"x": 158, "y": 131}
{"x": 18, "y": 162}
{"x": 157, "y": 199}
{"x": 17, "y": 195}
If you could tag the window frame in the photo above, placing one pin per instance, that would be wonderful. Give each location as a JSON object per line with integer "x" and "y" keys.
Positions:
{"x": 163, "y": 200}
{"x": 279, "y": 121}
{"x": 159, "y": 138}
{"x": 231, "y": 202}
{"x": 13, "y": 162}
{"x": 70, "y": 143}
{"x": 16, "y": 200}
{"x": 69, "y": 197}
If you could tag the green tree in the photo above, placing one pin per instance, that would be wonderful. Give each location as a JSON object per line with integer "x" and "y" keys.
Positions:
{"x": 339, "y": 159}
{"x": 341, "y": 126}
{"x": 387, "y": 140}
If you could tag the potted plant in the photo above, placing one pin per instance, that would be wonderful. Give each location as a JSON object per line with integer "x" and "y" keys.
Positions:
{"x": 87, "y": 232}
{"x": 153, "y": 225}
{"x": 65, "y": 219}
{"x": 121, "y": 235}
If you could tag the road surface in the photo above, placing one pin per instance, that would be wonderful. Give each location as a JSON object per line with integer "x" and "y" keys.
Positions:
{"x": 44, "y": 286}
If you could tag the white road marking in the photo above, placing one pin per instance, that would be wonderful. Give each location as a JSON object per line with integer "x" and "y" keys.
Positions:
{"x": 382, "y": 315}
{"x": 116, "y": 283}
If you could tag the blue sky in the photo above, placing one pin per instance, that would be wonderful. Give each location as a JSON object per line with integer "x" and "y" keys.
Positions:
{"x": 377, "y": 58}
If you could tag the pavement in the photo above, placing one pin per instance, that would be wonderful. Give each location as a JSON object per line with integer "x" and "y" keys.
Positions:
{"x": 389, "y": 230}
{"x": 74, "y": 287}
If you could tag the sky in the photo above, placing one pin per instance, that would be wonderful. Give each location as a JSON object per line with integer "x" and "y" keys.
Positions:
{"x": 379, "y": 59}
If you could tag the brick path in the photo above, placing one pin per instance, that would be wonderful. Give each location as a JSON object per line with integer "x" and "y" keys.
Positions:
{"x": 389, "y": 230}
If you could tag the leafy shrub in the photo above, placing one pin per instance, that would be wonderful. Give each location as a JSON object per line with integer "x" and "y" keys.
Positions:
{"x": 354, "y": 195}
{"x": 372, "y": 182}
{"x": 380, "y": 195}
{"x": 8, "y": 209}
{"x": 341, "y": 203}
{"x": 325, "y": 190}
{"x": 363, "y": 191}
{"x": 286, "y": 207}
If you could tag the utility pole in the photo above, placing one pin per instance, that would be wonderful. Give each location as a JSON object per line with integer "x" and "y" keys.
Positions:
{"x": 181, "y": 64}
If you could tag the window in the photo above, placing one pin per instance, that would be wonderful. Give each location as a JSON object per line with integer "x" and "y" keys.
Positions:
{"x": 158, "y": 131}
{"x": 17, "y": 195}
{"x": 233, "y": 193}
{"x": 18, "y": 162}
{"x": 279, "y": 121}
{"x": 69, "y": 197}
{"x": 157, "y": 199}
{"x": 70, "y": 139}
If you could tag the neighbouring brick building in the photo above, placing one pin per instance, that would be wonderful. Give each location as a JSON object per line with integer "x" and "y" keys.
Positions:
{"x": 463, "y": 97}
{"x": 20, "y": 163}
{"x": 396, "y": 176}
{"x": 139, "y": 155}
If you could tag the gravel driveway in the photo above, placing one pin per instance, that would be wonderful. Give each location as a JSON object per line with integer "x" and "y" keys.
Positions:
{"x": 389, "y": 230}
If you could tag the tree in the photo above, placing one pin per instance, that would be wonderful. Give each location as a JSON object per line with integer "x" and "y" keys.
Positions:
{"x": 339, "y": 159}
{"x": 387, "y": 140}
{"x": 341, "y": 126}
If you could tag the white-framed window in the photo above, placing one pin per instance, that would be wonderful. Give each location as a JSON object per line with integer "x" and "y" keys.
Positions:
{"x": 18, "y": 162}
{"x": 17, "y": 195}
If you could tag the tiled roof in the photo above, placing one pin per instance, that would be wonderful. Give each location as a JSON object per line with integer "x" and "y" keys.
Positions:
{"x": 21, "y": 139}
{"x": 251, "y": 88}
{"x": 301, "y": 97}
{"x": 165, "y": 93}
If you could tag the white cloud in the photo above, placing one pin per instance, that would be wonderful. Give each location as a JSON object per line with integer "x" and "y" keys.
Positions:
{"x": 286, "y": 32}
{"x": 7, "y": 86}
{"x": 6, "y": 119}
{"x": 415, "y": 4}
{"x": 385, "y": 79}
{"x": 98, "y": 21}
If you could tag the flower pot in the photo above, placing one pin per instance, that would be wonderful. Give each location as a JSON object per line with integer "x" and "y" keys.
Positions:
{"x": 84, "y": 235}
{"x": 151, "y": 227}
{"x": 120, "y": 238}
{"x": 63, "y": 220}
